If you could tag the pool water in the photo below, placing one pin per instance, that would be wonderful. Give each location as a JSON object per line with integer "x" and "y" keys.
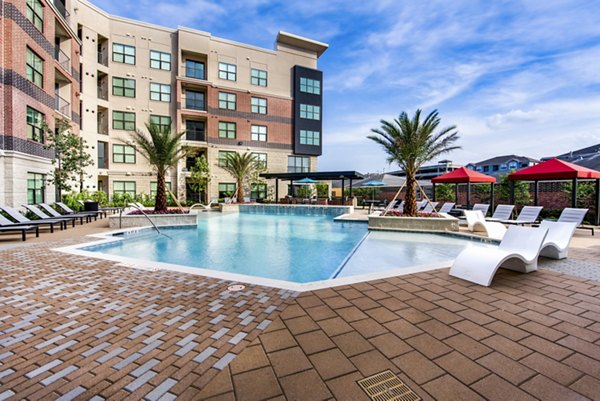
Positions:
{"x": 291, "y": 248}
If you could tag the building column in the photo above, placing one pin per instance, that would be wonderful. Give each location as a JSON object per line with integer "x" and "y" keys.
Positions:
{"x": 574, "y": 193}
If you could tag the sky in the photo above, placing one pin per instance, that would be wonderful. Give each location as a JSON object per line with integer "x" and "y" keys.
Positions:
{"x": 514, "y": 77}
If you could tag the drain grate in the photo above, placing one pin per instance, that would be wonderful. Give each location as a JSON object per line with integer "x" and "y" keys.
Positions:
{"x": 386, "y": 386}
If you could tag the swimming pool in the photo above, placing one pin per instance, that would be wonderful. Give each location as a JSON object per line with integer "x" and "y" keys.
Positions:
{"x": 288, "y": 251}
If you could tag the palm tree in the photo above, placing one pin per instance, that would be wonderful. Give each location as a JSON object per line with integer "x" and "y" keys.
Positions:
{"x": 411, "y": 143}
{"x": 162, "y": 150}
{"x": 241, "y": 167}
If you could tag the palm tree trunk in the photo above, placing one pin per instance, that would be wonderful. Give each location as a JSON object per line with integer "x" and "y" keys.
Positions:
{"x": 160, "y": 203}
{"x": 240, "y": 191}
{"x": 410, "y": 204}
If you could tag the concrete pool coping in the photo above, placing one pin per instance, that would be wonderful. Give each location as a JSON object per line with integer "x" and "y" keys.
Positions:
{"x": 109, "y": 237}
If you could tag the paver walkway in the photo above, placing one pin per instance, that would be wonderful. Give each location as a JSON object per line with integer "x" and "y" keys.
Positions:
{"x": 80, "y": 328}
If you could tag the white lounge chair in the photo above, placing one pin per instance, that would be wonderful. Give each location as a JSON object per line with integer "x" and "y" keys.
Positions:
{"x": 446, "y": 207}
{"x": 421, "y": 204}
{"x": 204, "y": 208}
{"x": 476, "y": 223}
{"x": 430, "y": 207}
{"x": 528, "y": 215}
{"x": 519, "y": 251}
{"x": 502, "y": 212}
{"x": 575, "y": 215}
{"x": 484, "y": 207}
{"x": 556, "y": 244}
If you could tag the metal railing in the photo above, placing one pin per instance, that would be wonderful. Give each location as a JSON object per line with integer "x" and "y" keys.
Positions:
{"x": 62, "y": 105}
{"x": 103, "y": 58}
{"x": 192, "y": 135}
{"x": 102, "y": 93}
{"x": 63, "y": 59}
{"x": 194, "y": 103}
{"x": 148, "y": 217}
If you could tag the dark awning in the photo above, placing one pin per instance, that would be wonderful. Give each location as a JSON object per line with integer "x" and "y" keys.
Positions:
{"x": 318, "y": 175}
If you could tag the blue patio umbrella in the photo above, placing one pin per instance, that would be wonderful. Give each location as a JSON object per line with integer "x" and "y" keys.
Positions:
{"x": 373, "y": 184}
{"x": 306, "y": 181}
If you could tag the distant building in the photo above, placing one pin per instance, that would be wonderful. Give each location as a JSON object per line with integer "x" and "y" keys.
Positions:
{"x": 429, "y": 172}
{"x": 502, "y": 164}
{"x": 587, "y": 157}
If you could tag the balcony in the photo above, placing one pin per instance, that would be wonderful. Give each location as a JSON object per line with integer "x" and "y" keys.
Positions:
{"x": 103, "y": 58}
{"x": 102, "y": 93}
{"x": 62, "y": 106}
{"x": 63, "y": 59}
{"x": 60, "y": 6}
{"x": 194, "y": 101}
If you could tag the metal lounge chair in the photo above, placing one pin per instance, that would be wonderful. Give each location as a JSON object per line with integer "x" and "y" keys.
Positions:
{"x": 519, "y": 251}
{"x": 7, "y": 226}
{"x": 53, "y": 213}
{"x": 484, "y": 207}
{"x": 556, "y": 243}
{"x": 430, "y": 207}
{"x": 528, "y": 215}
{"x": 22, "y": 220}
{"x": 103, "y": 211}
{"x": 68, "y": 210}
{"x": 476, "y": 223}
{"x": 43, "y": 216}
{"x": 502, "y": 212}
{"x": 446, "y": 207}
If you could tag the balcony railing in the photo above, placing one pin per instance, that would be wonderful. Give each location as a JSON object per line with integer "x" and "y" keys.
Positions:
{"x": 103, "y": 58}
{"x": 63, "y": 59}
{"x": 62, "y": 106}
{"x": 194, "y": 103}
{"x": 102, "y": 93}
{"x": 102, "y": 162}
{"x": 195, "y": 135}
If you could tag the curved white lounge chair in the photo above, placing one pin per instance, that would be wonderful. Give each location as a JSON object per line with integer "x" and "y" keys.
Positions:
{"x": 556, "y": 244}
{"x": 502, "y": 212}
{"x": 446, "y": 207}
{"x": 519, "y": 251}
{"x": 528, "y": 215}
{"x": 476, "y": 223}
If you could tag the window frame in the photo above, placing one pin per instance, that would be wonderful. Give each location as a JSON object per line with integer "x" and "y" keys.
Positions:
{"x": 35, "y": 127}
{"x": 36, "y": 178}
{"x": 123, "y": 155}
{"x": 225, "y": 73}
{"x": 259, "y": 134}
{"x": 185, "y": 106}
{"x": 257, "y": 80}
{"x": 222, "y": 157}
{"x": 123, "y": 87}
{"x": 158, "y": 92}
{"x": 31, "y": 71}
{"x": 225, "y": 102}
{"x": 160, "y": 60}
{"x": 259, "y": 156}
{"x": 32, "y": 15}
{"x": 125, "y": 190}
{"x": 203, "y": 133}
{"x": 123, "y": 121}
{"x": 154, "y": 184}
{"x": 308, "y": 86}
{"x": 310, "y": 111}
{"x": 255, "y": 192}
{"x": 296, "y": 167}
{"x": 225, "y": 132}
{"x": 306, "y": 134}
{"x": 228, "y": 184}
{"x": 123, "y": 53}
{"x": 258, "y": 108}
{"x": 161, "y": 125}
{"x": 194, "y": 68}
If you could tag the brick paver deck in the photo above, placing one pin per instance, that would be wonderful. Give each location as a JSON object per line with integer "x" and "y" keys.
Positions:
{"x": 80, "y": 328}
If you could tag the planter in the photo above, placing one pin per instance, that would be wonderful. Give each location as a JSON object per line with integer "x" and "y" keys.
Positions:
{"x": 160, "y": 220}
{"x": 443, "y": 223}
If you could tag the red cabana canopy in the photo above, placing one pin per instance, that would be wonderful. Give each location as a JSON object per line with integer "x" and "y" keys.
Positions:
{"x": 461, "y": 175}
{"x": 554, "y": 169}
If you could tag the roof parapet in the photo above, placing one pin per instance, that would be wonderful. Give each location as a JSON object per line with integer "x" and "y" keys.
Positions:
{"x": 302, "y": 42}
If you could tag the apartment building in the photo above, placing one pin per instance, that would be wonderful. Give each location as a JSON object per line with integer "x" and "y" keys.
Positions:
{"x": 111, "y": 75}
{"x": 39, "y": 83}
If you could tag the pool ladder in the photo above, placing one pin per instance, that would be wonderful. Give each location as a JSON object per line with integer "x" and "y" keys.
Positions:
{"x": 149, "y": 219}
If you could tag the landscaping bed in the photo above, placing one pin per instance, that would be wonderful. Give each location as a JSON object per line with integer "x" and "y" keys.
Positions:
{"x": 427, "y": 223}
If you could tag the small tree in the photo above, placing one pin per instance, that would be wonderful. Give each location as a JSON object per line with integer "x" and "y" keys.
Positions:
{"x": 445, "y": 192}
{"x": 244, "y": 168}
{"x": 322, "y": 190}
{"x": 199, "y": 176}
{"x": 70, "y": 157}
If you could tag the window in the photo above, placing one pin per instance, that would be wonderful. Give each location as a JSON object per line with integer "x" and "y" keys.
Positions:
{"x": 258, "y": 77}
{"x": 35, "y": 14}
{"x": 258, "y": 105}
{"x": 194, "y": 100}
{"x": 310, "y": 86}
{"x": 123, "y": 87}
{"x": 35, "y": 121}
{"x": 227, "y": 100}
{"x": 124, "y": 187}
{"x": 259, "y": 191}
{"x": 228, "y": 71}
{"x": 102, "y": 154}
{"x": 486, "y": 169}
{"x": 123, "y": 154}
{"x": 298, "y": 164}
{"x": 495, "y": 167}
{"x": 226, "y": 190}
{"x": 35, "y": 188}
{"x": 227, "y": 130}
{"x": 259, "y": 133}
{"x": 123, "y": 120}
{"x": 160, "y": 60}
{"x": 310, "y": 112}
{"x": 194, "y": 69}
{"x": 261, "y": 158}
{"x": 35, "y": 68}
{"x": 154, "y": 187}
{"x": 163, "y": 122}
{"x": 310, "y": 137}
{"x": 223, "y": 157}
{"x": 160, "y": 92}
{"x": 123, "y": 53}
{"x": 194, "y": 130}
